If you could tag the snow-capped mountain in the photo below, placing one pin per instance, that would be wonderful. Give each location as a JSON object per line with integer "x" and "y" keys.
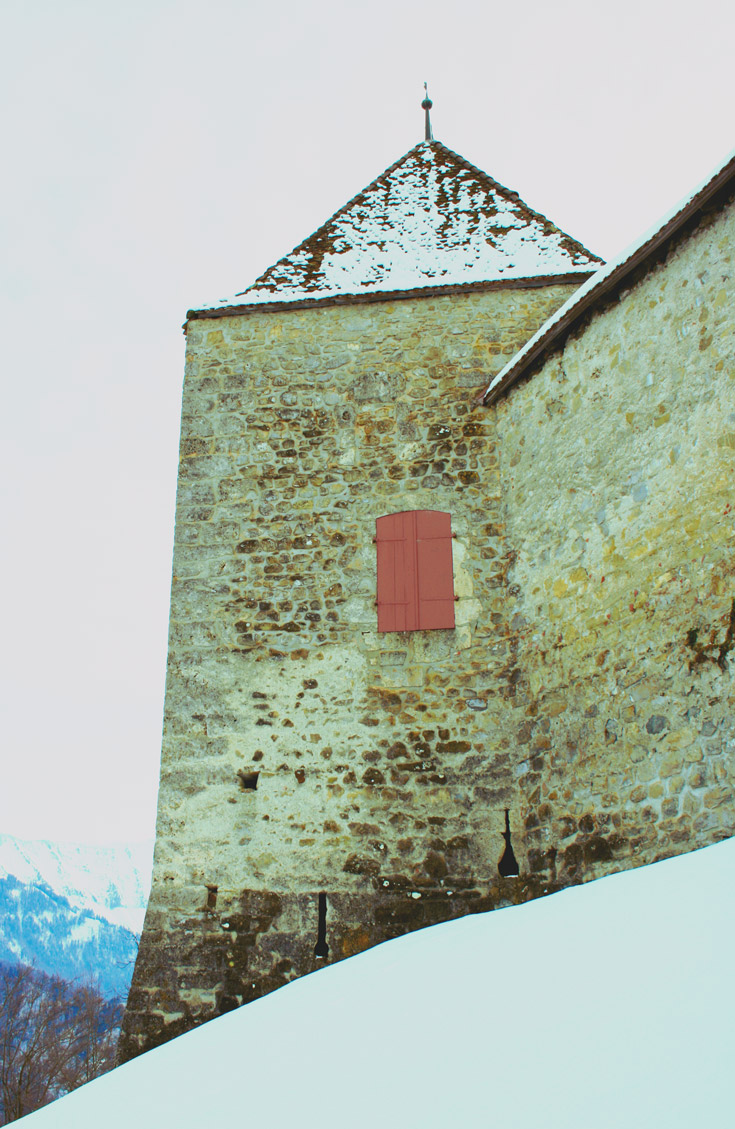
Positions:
{"x": 109, "y": 882}
{"x": 73, "y": 910}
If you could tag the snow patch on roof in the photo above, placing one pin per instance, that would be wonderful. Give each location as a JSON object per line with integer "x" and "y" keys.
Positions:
{"x": 432, "y": 219}
{"x": 598, "y": 278}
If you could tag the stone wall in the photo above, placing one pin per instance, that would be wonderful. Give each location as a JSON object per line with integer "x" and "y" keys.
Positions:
{"x": 384, "y": 762}
{"x": 617, "y": 470}
{"x": 587, "y": 687}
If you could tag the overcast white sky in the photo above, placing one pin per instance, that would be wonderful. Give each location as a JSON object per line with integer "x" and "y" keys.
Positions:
{"x": 163, "y": 153}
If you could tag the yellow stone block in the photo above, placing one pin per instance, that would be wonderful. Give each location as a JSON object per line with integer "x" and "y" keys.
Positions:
{"x": 679, "y": 739}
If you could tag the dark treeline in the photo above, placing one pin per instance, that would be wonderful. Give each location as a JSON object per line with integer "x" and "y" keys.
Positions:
{"x": 54, "y": 1036}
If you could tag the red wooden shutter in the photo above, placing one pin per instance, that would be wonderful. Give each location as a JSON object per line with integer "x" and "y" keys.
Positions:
{"x": 435, "y": 574}
{"x": 415, "y": 581}
{"x": 397, "y": 581}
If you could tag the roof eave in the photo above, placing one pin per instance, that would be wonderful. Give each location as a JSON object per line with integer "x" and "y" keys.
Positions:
{"x": 609, "y": 284}
{"x": 531, "y": 282}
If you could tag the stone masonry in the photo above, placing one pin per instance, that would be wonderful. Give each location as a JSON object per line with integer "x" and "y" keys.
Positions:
{"x": 586, "y": 688}
{"x": 384, "y": 764}
{"x": 617, "y": 462}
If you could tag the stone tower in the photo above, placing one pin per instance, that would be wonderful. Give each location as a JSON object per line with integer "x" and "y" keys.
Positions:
{"x": 333, "y": 775}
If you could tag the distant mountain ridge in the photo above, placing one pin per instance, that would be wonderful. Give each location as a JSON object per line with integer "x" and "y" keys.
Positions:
{"x": 111, "y": 882}
{"x": 73, "y": 910}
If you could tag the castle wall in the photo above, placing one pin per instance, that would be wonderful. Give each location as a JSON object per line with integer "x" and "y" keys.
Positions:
{"x": 384, "y": 760}
{"x": 617, "y": 463}
{"x": 587, "y": 687}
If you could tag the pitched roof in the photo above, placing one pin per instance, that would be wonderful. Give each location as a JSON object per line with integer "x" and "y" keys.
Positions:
{"x": 430, "y": 220}
{"x": 607, "y": 282}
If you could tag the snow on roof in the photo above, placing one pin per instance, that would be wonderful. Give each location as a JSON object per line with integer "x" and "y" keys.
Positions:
{"x": 614, "y": 999}
{"x": 431, "y": 219}
{"x": 553, "y": 332}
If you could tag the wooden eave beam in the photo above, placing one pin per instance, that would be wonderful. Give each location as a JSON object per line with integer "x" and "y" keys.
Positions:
{"x": 577, "y": 277}
{"x": 613, "y": 282}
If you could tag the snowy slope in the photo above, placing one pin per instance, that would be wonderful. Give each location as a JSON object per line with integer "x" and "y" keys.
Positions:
{"x": 607, "y": 1005}
{"x": 109, "y": 882}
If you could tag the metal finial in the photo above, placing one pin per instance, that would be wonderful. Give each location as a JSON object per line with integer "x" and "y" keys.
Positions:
{"x": 426, "y": 106}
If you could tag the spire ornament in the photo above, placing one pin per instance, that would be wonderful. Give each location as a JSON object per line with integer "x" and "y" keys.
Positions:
{"x": 426, "y": 106}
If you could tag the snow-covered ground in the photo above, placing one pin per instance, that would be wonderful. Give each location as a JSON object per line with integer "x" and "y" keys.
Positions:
{"x": 608, "y": 1005}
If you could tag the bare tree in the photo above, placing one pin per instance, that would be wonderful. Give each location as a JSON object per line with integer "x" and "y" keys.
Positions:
{"x": 54, "y": 1036}
{"x": 97, "y": 1025}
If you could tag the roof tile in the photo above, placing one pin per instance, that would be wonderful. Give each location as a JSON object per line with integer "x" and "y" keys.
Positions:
{"x": 431, "y": 219}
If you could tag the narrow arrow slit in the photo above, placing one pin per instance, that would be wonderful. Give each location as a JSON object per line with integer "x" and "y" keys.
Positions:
{"x": 321, "y": 949}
